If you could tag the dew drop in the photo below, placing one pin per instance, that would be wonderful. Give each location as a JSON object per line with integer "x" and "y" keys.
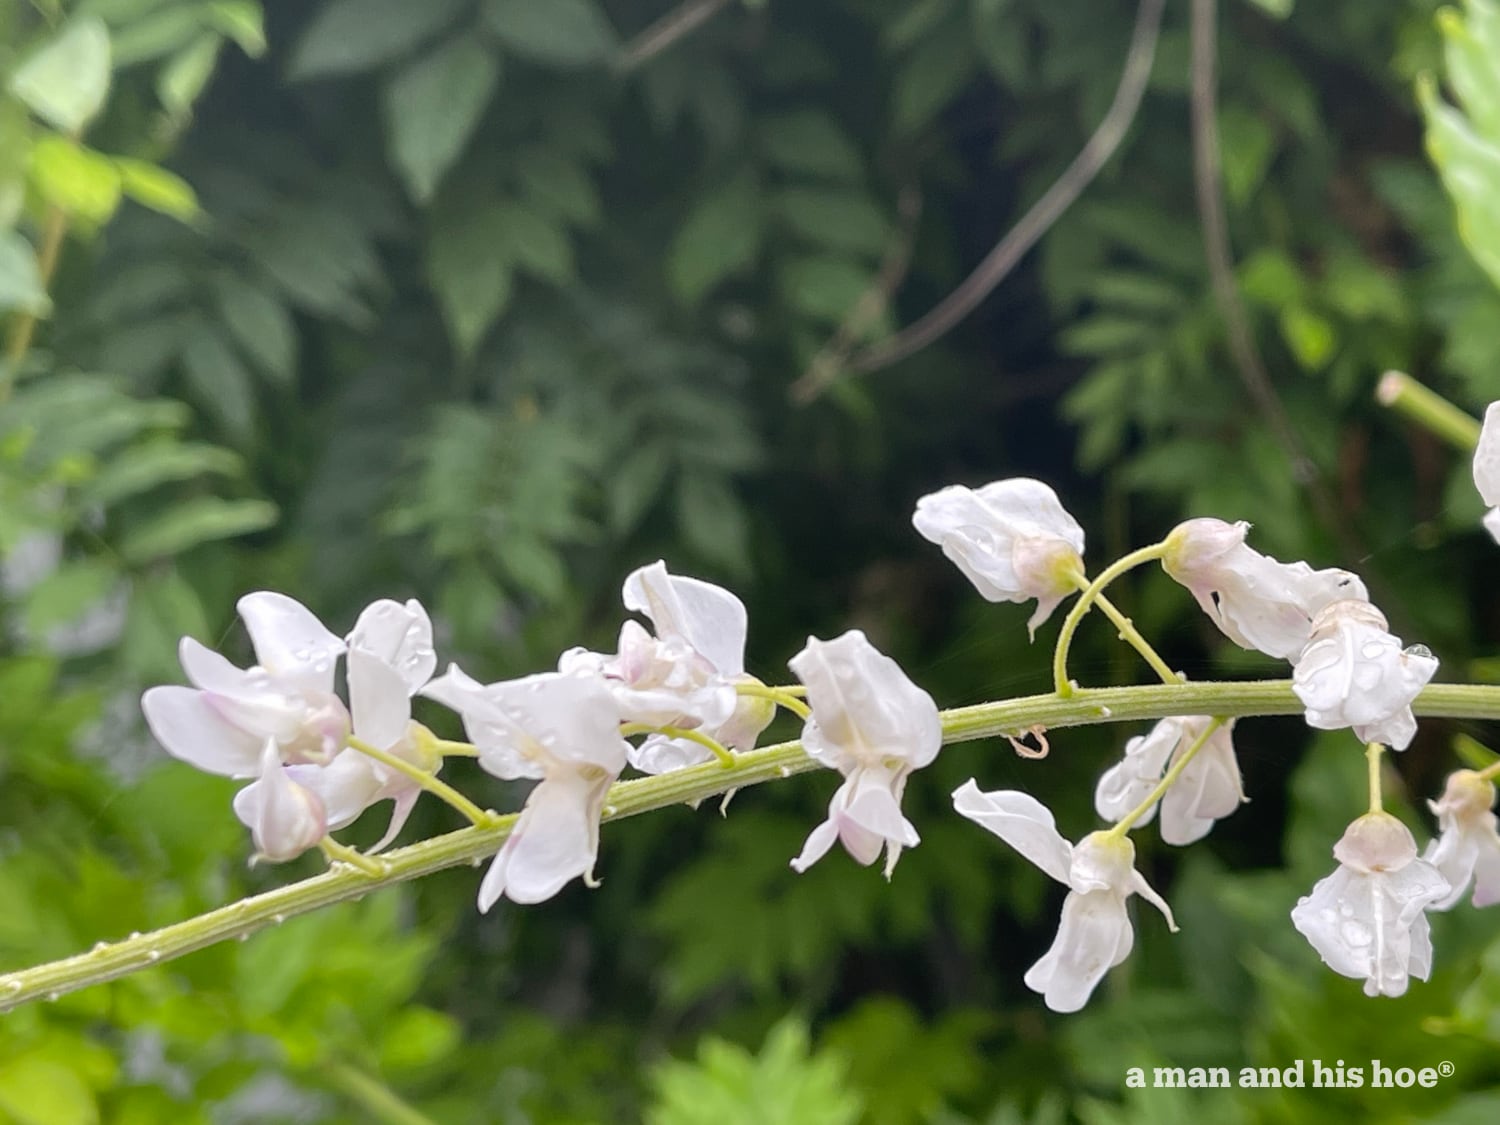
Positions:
{"x": 1421, "y": 651}
{"x": 153, "y": 955}
{"x": 277, "y": 919}
{"x": 134, "y": 934}
{"x": 785, "y": 771}
{"x": 13, "y": 987}
{"x": 53, "y": 997}
{"x": 610, "y": 810}
{"x": 99, "y": 947}
{"x": 1355, "y": 933}
{"x": 244, "y": 937}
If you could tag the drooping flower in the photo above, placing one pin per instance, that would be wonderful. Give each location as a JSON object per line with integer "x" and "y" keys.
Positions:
{"x": 1354, "y": 673}
{"x": 1207, "y": 790}
{"x": 1012, "y": 539}
{"x": 1487, "y": 468}
{"x": 562, "y": 729}
{"x": 1095, "y": 934}
{"x": 873, "y": 725}
{"x": 1257, "y": 602}
{"x": 222, "y": 722}
{"x": 1367, "y": 919}
{"x": 1468, "y": 848}
{"x": 684, "y": 675}
{"x": 285, "y": 818}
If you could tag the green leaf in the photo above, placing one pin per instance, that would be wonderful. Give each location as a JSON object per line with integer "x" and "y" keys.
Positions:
{"x": 635, "y": 485}
{"x": 562, "y": 33}
{"x": 824, "y": 288}
{"x": 835, "y": 220}
{"x": 37, "y": 1090}
{"x": 66, "y": 81}
{"x": 259, "y": 323}
{"x": 221, "y": 382}
{"x": 712, "y": 520}
{"x": 432, "y": 108}
{"x": 1246, "y": 145}
{"x": 1312, "y": 338}
{"x": 1470, "y": 167}
{"x": 1277, "y": 9}
{"x": 532, "y": 242}
{"x": 349, "y": 36}
{"x": 194, "y": 522}
{"x": 933, "y": 76}
{"x": 471, "y": 281}
{"x": 140, "y": 468}
{"x": 240, "y": 20}
{"x": 813, "y": 143}
{"x": 67, "y": 593}
{"x": 721, "y": 237}
{"x": 78, "y": 180}
{"x": 153, "y": 186}
{"x": 417, "y": 1038}
{"x": 786, "y": 1083}
{"x": 557, "y": 184}
{"x": 21, "y": 285}
{"x": 183, "y": 78}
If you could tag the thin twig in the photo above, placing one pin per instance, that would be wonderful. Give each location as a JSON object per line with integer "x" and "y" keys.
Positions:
{"x": 1043, "y": 213}
{"x": 677, "y": 23}
{"x": 54, "y": 229}
{"x": 834, "y": 355}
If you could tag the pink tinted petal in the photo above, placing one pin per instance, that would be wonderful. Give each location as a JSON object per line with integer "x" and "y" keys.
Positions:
{"x": 1021, "y": 821}
{"x": 289, "y": 641}
{"x": 378, "y": 701}
{"x": 400, "y": 811}
{"x": 189, "y": 727}
{"x": 284, "y": 818}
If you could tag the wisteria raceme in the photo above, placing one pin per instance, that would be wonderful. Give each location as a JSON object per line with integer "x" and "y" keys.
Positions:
{"x": 315, "y": 763}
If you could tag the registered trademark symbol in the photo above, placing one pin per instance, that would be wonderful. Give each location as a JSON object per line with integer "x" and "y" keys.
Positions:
{"x": 1445, "y": 1068}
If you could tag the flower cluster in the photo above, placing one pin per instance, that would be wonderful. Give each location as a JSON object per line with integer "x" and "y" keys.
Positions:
{"x": 676, "y": 695}
{"x": 316, "y": 762}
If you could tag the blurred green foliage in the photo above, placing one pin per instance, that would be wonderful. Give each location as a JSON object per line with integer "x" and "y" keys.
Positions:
{"x": 489, "y": 301}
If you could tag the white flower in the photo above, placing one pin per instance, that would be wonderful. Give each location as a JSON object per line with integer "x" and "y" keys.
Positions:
{"x": 1353, "y": 673}
{"x": 284, "y": 818}
{"x": 1207, "y": 790}
{"x": 562, "y": 729}
{"x": 1487, "y": 468}
{"x": 1011, "y": 538}
{"x": 221, "y": 724}
{"x": 1468, "y": 850}
{"x": 685, "y": 675}
{"x": 873, "y": 725}
{"x": 1257, "y": 602}
{"x": 1095, "y": 934}
{"x": 1366, "y": 920}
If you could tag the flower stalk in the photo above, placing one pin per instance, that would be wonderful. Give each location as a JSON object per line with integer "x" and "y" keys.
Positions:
{"x": 1091, "y": 593}
{"x": 1427, "y": 408}
{"x": 1083, "y": 707}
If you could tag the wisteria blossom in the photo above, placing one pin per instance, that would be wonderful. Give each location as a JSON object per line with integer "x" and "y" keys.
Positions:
{"x": 1095, "y": 933}
{"x": 873, "y": 725}
{"x": 684, "y": 675}
{"x": 1012, "y": 539}
{"x": 559, "y": 728}
{"x": 285, "y": 818}
{"x": 221, "y": 723}
{"x": 1354, "y": 673}
{"x": 1487, "y": 468}
{"x": 1207, "y": 790}
{"x": 1367, "y": 920}
{"x": 1257, "y": 602}
{"x": 1468, "y": 848}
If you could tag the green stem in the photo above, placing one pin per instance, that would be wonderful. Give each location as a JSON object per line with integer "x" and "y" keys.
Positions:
{"x": 1123, "y": 825}
{"x": 1131, "y": 636}
{"x": 1426, "y": 407}
{"x": 1372, "y": 756}
{"x": 1084, "y": 707}
{"x": 455, "y": 749}
{"x": 720, "y": 751}
{"x": 1490, "y": 772}
{"x": 439, "y": 789}
{"x": 377, "y": 1100}
{"x": 1060, "y": 682}
{"x": 54, "y": 230}
{"x": 782, "y": 697}
{"x": 341, "y": 853}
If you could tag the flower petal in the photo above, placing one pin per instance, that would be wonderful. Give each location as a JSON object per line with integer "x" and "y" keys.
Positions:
{"x": 555, "y": 841}
{"x": 285, "y": 819}
{"x": 400, "y": 635}
{"x": 189, "y": 727}
{"x": 379, "y": 705}
{"x": 1021, "y": 821}
{"x": 708, "y": 617}
{"x": 290, "y": 642}
{"x": 1093, "y": 937}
